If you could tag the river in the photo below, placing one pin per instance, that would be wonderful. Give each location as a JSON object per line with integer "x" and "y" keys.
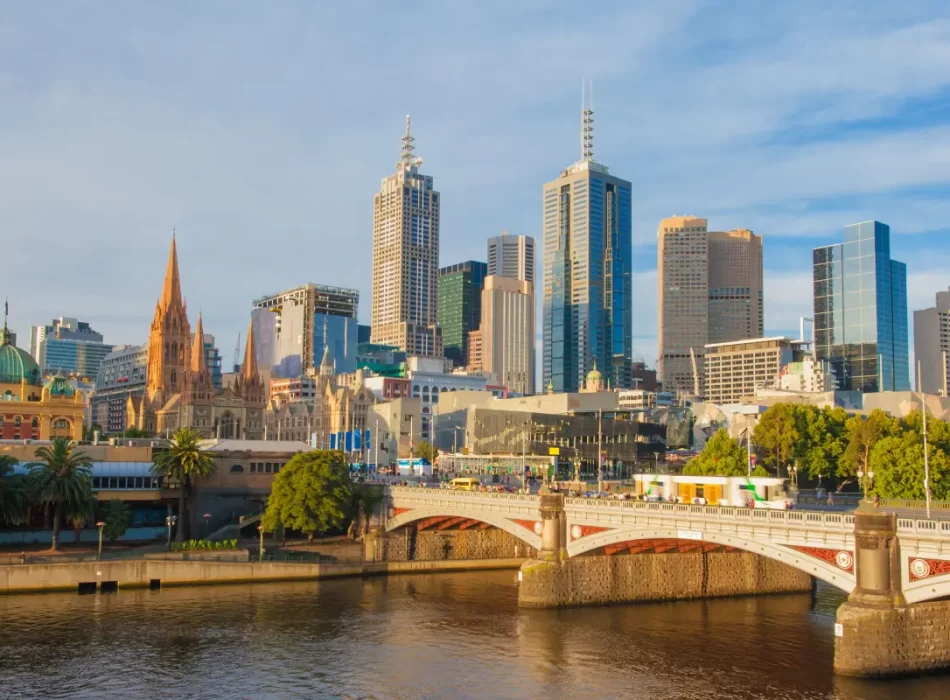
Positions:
{"x": 422, "y": 636}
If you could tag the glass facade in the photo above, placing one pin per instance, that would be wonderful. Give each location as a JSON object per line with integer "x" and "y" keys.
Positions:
{"x": 588, "y": 300}
{"x": 342, "y": 335}
{"x": 460, "y": 306}
{"x": 860, "y": 306}
{"x": 73, "y": 357}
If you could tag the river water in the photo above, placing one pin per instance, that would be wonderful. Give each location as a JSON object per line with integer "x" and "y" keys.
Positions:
{"x": 425, "y": 636}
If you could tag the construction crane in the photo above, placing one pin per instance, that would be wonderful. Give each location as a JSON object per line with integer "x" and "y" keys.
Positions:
{"x": 237, "y": 354}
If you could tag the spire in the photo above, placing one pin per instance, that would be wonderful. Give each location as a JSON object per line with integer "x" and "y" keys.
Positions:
{"x": 249, "y": 368}
{"x": 587, "y": 121}
{"x": 5, "y": 335}
{"x": 198, "y": 361}
{"x": 326, "y": 364}
{"x": 408, "y": 149}
{"x": 171, "y": 294}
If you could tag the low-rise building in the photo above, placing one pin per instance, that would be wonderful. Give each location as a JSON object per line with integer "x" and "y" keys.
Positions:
{"x": 640, "y": 398}
{"x": 738, "y": 368}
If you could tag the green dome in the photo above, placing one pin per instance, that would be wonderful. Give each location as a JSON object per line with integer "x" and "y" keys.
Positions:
{"x": 17, "y": 365}
{"x": 60, "y": 387}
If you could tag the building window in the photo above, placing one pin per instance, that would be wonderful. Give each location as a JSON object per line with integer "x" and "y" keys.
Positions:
{"x": 36, "y": 422}
{"x": 237, "y": 468}
{"x": 16, "y": 422}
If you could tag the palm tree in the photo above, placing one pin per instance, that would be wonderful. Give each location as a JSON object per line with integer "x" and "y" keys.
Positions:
{"x": 61, "y": 477}
{"x": 184, "y": 462}
{"x": 13, "y": 498}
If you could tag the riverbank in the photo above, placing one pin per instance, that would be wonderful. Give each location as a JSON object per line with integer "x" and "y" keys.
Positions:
{"x": 156, "y": 573}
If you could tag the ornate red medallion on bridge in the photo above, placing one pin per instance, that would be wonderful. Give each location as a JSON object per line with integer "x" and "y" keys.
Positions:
{"x": 393, "y": 512}
{"x": 534, "y": 526}
{"x": 663, "y": 546}
{"x": 579, "y": 531}
{"x": 841, "y": 558}
{"x": 925, "y": 568}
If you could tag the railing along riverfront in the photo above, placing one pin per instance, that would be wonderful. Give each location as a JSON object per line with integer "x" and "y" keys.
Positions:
{"x": 460, "y": 493}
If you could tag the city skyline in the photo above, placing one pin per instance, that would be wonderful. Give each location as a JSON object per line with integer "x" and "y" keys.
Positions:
{"x": 152, "y": 153}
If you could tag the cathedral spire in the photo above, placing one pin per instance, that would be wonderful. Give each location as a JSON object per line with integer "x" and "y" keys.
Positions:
{"x": 198, "y": 361}
{"x": 249, "y": 368}
{"x": 171, "y": 293}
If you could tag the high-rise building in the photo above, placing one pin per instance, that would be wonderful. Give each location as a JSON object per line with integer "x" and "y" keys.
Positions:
{"x": 511, "y": 256}
{"x": 68, "y": 346}
{"x": 406, "y": 258}
{"x": 861, "y": 310}
{"x": 122, "y": 375}
{"x": 507, "y": 332}
{"x": 709, "y": 292}
{"x": 460, "y": 306}
{"x": 588, "y": 298}
{"x": 295, "y": 326}
{"x": 213, "y": 360}
{"x": 932, "y": 345}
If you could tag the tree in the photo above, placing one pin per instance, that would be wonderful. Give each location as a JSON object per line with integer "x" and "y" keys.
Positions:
{"x": 184, "y": 462}
{"x": 862, "y": 435}
{"x": 62, "y": 477}
{"x": 722, "y": 456}
{"x": 310, "y": 493}
{"x": 13, "y": 492}
{"x": 425, "y": 450}
{"x": 777, "y": 433}
{"x": 365, "y": 501}
{"x": 80, "y": 514}
{"x": 115, "y": 514}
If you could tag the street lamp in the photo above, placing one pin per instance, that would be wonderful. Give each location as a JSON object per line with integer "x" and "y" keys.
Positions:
{"x": 207, "y": 517}
{"x": 100, "y": 525}
{"x": 260, "y": 556}
{"x": 865, "y": 482}
{"x": 170, "y": 521}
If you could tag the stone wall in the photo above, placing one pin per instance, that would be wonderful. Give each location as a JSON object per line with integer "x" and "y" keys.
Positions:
{"x": 598, "y": 580}
{"x": 448, "y": 545}
{"x": 892, "y": 642}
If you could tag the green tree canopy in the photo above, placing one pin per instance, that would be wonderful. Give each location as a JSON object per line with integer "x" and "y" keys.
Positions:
{"x": 115, "y": 514}
{"x": 184, "y": 462}
{"x": 776, "y": 433}
{"x": 311, "y": 493}
{"x": 62, "y": 477}
{"x": 862, "y": 434}
{"x": 425, "y": 450}
{"x": 897, "y": 459}
{"x": 722, "y": 456}
{"x": 822, "y": 439}
{"x": 13, "y": 492}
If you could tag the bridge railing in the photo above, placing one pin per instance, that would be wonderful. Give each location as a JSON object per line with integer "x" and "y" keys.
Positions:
{"x": 461, "y": 494}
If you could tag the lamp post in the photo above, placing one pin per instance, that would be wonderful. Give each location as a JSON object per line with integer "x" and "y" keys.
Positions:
{"x": 207, "y": 517}
{"x": 100, "y": 525}
{"x": 260, "y": 555}
{"x": 866, "y": 479}
{"x": 170, "y": 523}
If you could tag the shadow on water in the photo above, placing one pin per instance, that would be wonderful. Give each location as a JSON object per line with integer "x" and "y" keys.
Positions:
{"x": 425, "y": 636}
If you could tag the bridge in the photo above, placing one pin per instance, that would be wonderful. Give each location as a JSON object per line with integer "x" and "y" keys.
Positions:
{"x": 893, "y": 568}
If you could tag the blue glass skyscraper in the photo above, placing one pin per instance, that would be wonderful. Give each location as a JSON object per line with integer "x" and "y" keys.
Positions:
{"x": 588, "y": 299}
{"x": 861, "y": 310}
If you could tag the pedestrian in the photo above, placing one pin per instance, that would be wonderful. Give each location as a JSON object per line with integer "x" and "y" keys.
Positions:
{"x": 877, "y": 500}
{"x": 831, "y": 499}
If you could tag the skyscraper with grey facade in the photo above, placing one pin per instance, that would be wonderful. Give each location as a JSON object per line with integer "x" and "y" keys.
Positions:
{"x": 860, "y": 296}
{"x": 587, "y": 292}
{"x": 512, "y": 257}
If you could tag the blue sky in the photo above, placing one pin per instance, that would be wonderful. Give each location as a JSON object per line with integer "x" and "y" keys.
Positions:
{"x": 261, "y": 130}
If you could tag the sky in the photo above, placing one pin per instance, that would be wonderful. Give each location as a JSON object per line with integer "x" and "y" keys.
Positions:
{"x": 260, "y": 131}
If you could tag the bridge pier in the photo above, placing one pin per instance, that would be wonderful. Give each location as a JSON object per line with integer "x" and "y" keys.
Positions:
{"x": 877, "y": 634}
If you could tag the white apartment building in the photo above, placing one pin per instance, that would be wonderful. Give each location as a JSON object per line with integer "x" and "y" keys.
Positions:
{"x": 737, "y": 369}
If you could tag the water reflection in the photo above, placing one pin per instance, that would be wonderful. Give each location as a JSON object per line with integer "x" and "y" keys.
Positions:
{"x": 452, "y": 635}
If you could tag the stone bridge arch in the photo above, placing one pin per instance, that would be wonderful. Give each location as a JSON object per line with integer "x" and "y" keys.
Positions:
{"x": 812, "y": 565}
{"x": 523, "y": 530}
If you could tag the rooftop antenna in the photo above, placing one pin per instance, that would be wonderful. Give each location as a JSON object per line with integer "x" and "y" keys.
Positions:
{"x": 408, "y": 147}
{"x": 587, "y": 120}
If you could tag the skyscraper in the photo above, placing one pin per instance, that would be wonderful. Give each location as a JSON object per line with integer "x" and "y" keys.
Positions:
{"x": 406, "y": 258}
{"x": 507, "y": 332}
{"x": 588, "y": 304}
{"x": 294, "y": 327}
{"x": 861, "y": 310}
{"x": 68, "y": 346}
{"x": 460, "y": 306}
{"x": 511, "y": 256}
{"x": 932, "y": 346}
{"x": 709, "y": 291}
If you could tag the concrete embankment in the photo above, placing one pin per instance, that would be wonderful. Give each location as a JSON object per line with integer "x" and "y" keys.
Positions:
{"x": 599, "y": 580}
{"x": 36, "y": 578}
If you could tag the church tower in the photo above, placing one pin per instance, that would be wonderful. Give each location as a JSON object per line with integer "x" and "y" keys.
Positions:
{"x": 249, "y": 385}
{"x": 198, "y": 385}
{"x": 169, "y": 340}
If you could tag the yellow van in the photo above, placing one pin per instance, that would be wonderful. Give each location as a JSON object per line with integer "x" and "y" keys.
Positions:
{"x": 466, "y": 483}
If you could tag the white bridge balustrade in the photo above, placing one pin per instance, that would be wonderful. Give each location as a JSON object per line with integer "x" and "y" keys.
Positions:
{"x": 819, "y": 543}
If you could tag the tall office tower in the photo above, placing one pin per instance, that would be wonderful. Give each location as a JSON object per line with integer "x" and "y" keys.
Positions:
{"x": 709, "y": 291}
{"x": 932, "y": 346}
{"x": 293, "y": 327}
{"x": 460, "y": 307}
{"x": 406, "y": 258}
{"x": 68, "y": 346}
{"x": 861, "y": 310}
{"x": 588, "y": 299}
{"x": 511, "y": 256}
{"x": 507, "y": 332}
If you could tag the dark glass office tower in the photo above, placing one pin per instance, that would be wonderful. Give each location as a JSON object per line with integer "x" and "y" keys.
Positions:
{"x": 861, "y": 310}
